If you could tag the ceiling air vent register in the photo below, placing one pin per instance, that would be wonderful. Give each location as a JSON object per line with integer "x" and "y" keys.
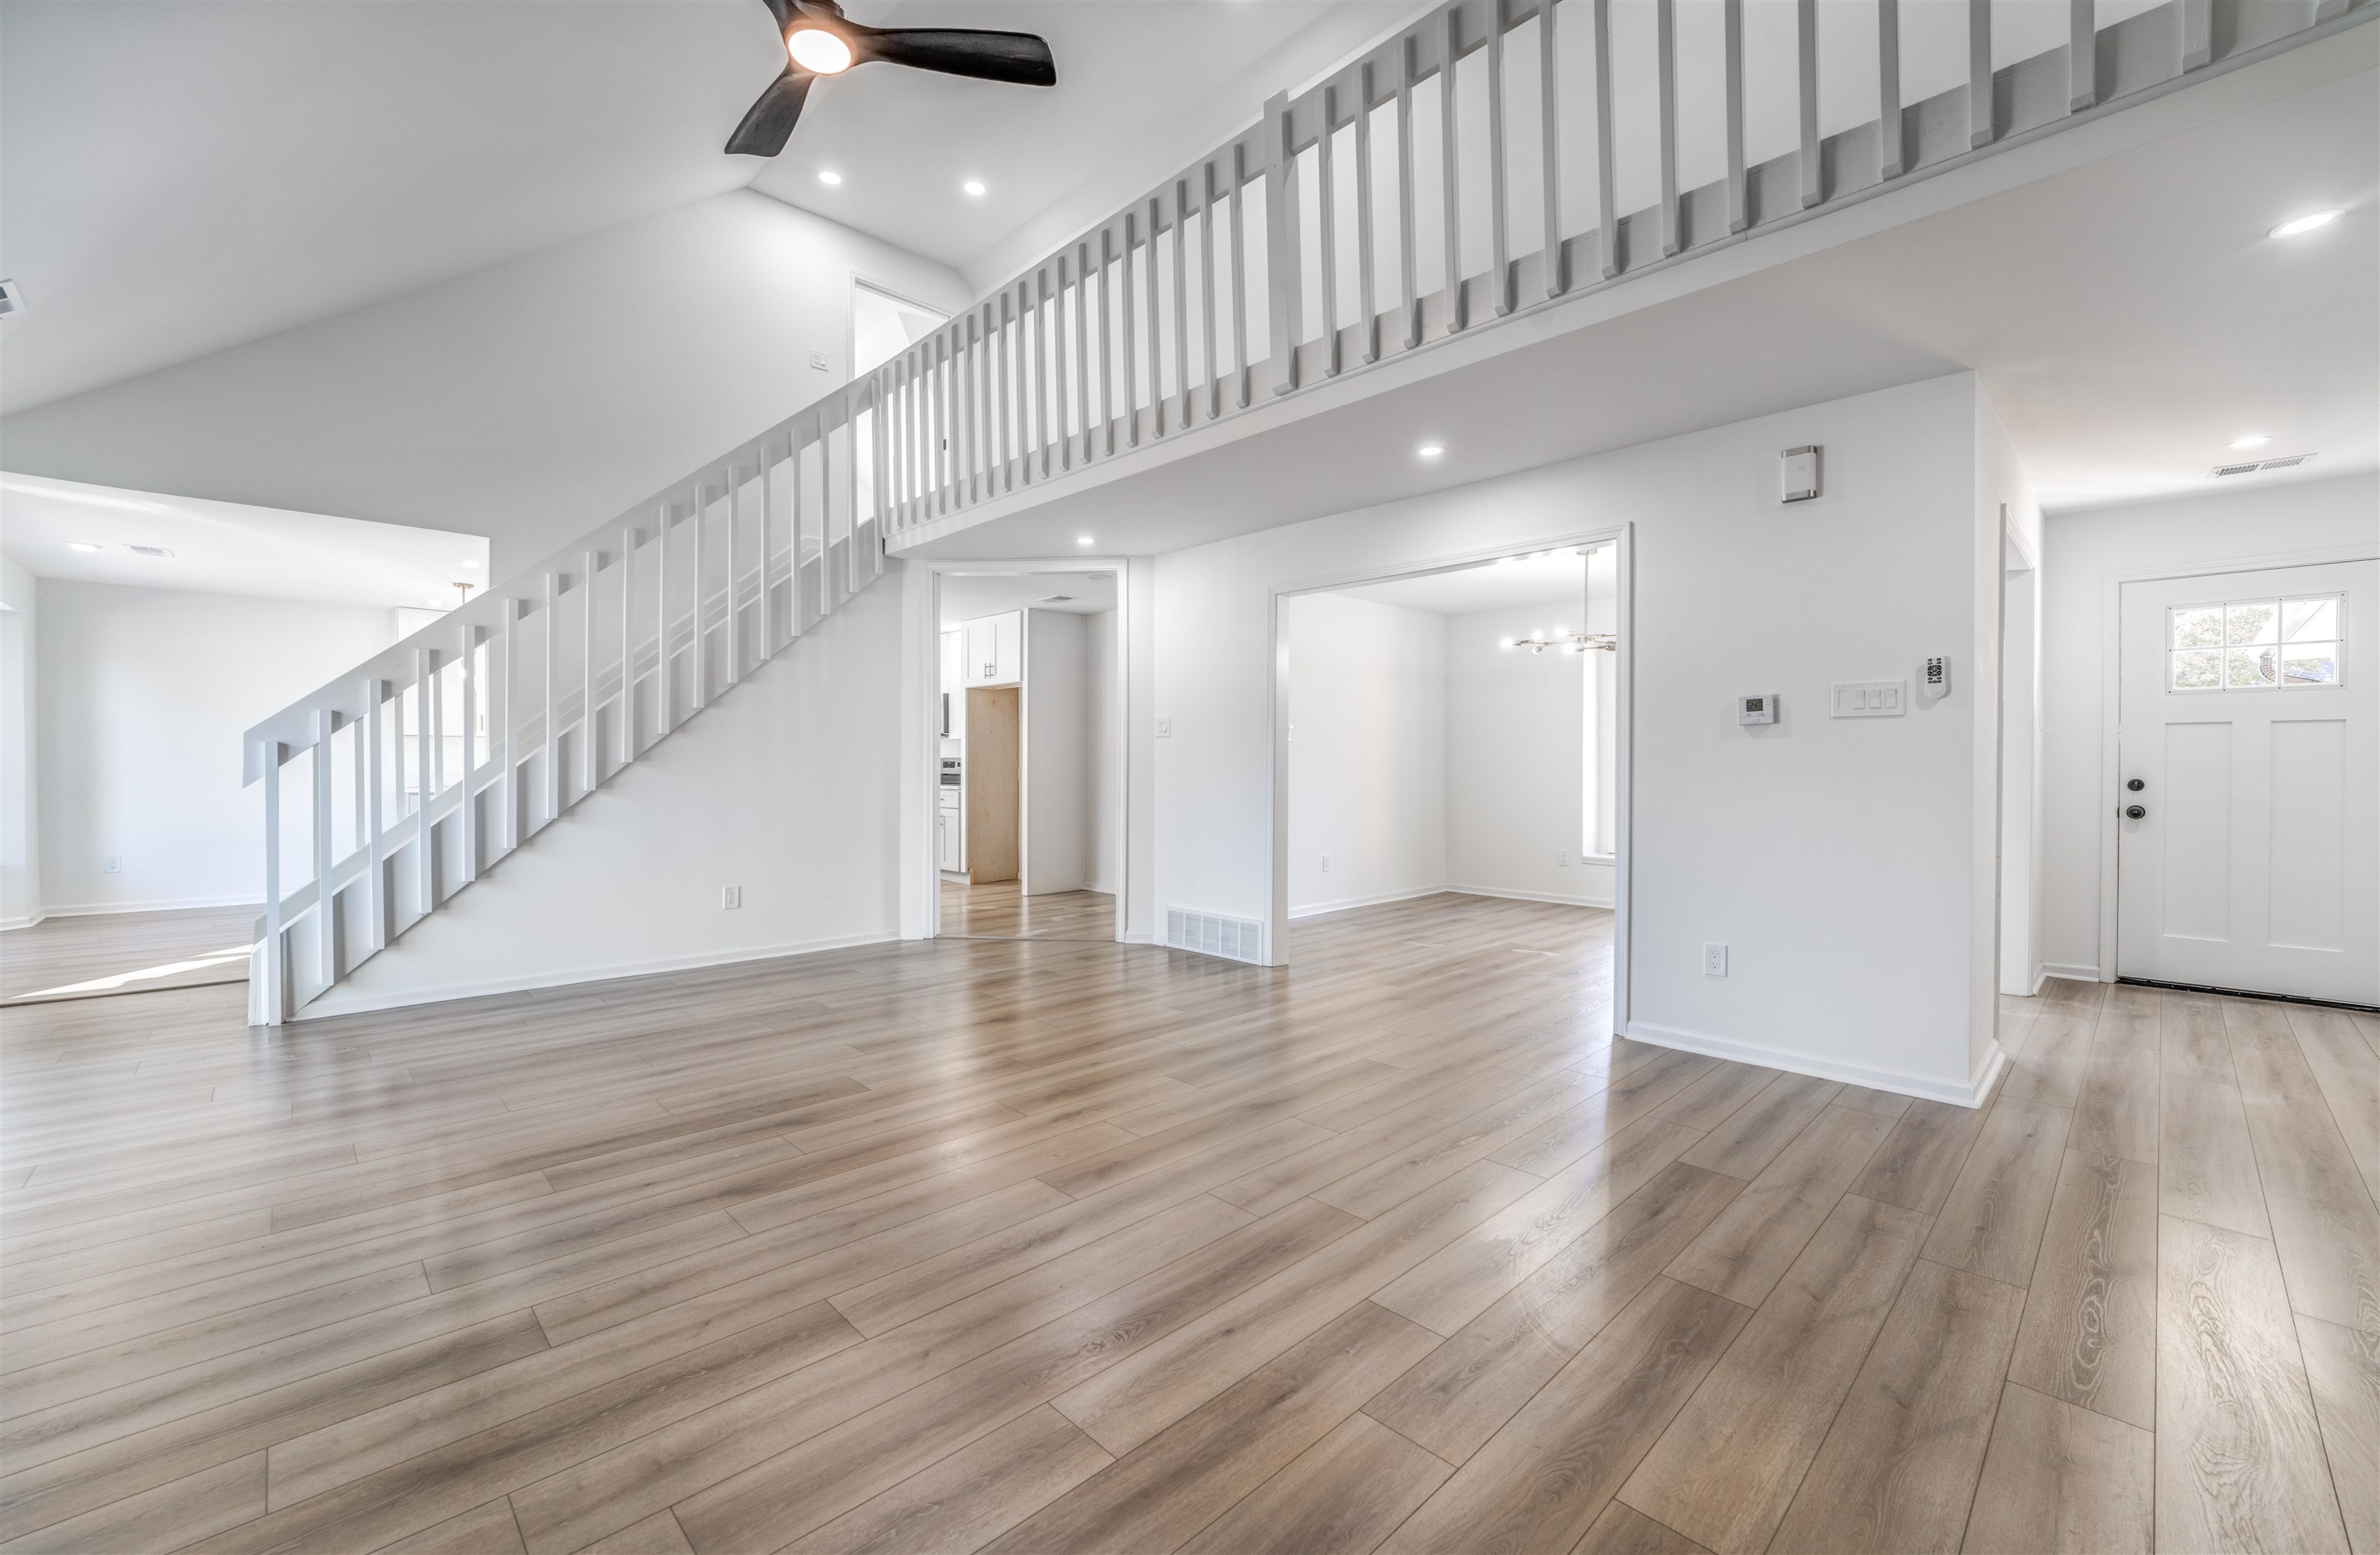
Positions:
{"x": 2250, "y": 466}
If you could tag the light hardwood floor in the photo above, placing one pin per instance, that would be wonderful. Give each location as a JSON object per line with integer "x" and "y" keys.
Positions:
{"x": 1002, "y": 911}
{"x": 183, "y": 948}
{"x": 1042, "y": 1245}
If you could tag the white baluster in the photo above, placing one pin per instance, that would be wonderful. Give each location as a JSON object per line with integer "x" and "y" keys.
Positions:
{"x": 326, "y": 900}
{"x": 1283, "y": 220}
{"x": 276, "y": 971}
{"x": 469, "y": 824}
{"x": 375, "y": 843}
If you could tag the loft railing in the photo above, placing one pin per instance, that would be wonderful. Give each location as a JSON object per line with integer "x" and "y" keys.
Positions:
{"x": 1494, "y": 159}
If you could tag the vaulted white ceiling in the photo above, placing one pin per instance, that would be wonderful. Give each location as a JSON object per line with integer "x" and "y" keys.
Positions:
{"x": 182, "y": 175}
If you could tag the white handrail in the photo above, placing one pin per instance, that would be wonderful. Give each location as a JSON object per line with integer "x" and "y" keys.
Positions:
{"x": 1087, "y": 356}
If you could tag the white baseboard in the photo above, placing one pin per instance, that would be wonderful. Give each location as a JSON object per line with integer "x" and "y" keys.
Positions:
{"x": 102, "y": 909}
{"x": 1970, "y": 1092}
{"x": 6, "y": 924}
{"x": 2066, "y": 969}
{"x": 1570, "y": 900}
{"x": 343, "y": 999}
{"x": 1316, "y": 909}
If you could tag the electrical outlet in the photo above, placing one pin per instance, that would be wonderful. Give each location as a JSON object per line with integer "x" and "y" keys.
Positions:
{"x": 730, "y": 897}
{"x": 1164, "y": 728}
{"x": 112, "y": 864}
{"x": 1561, "y": 859}
{"x": 1713, "y": 960}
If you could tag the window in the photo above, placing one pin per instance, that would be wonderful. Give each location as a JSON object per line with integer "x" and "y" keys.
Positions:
{"x": 2255, "y": 644}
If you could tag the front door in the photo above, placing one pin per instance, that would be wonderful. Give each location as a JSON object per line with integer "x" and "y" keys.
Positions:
{"x": 2248, "y": 782}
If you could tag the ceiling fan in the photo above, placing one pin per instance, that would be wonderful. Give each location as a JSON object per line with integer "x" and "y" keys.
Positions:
{"x": 818, "y": 41}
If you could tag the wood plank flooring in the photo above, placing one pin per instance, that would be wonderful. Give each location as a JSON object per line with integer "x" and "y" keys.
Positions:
{"x": 1042, "y": 1244}
{"x": 1002, "y": 911}
{"x": 183, "y": 948}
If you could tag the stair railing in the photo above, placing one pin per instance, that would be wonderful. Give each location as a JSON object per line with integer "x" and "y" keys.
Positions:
{"x": 399, "y": 783}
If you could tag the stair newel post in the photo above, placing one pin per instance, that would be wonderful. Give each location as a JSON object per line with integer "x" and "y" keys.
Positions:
{"x": 425, "y": 834}
{"x": 370, "y": 759}
{"x": 734, "y": 578}
{"x": 500, "y": 726}
{"x": 701, "y": 696}
{"x": 627, "y": 645}
{"x": 768, "y": 523}
{"x": 589, "y": 765}
{"x": 550, "y": 767}
{"x": 666, "y": 681}
{"x": 276, "y": 977}
{"x": 470, "y": 802}
{"x": 326, "y": 901}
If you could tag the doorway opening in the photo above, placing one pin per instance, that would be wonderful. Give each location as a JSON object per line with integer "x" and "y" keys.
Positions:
{"x": 1028, "y": 755}
{"x": 1453, "y": 737}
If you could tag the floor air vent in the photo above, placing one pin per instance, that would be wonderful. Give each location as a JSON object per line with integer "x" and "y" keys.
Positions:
{"x": 1236, "y": 939}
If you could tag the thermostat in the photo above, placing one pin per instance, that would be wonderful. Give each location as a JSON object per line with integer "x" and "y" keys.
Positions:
{"x": 1798, "y": 472}
{"x": 1757, "y": 710}
{"x": 1936, "y": 682}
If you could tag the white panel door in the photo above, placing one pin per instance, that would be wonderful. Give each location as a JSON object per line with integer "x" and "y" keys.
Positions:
{"x": 2248, "y": 782}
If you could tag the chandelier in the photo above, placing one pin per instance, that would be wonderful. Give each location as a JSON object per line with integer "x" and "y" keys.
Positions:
{"x": 1562, "y": 641}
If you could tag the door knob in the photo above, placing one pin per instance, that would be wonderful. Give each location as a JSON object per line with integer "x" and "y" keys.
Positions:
{"x": 2136, "y": 785}
{"x": 2134, "y": 812}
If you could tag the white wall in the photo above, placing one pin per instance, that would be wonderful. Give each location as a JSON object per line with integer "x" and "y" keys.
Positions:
{"x": 143, "y": 696}
{"x": 1838, "y": 860}
{"x": 1106, "y": 769}
{"x": 1517, "y": 751}
{"x": 789, "y": 785}
{"x": 2081, "y": 551}
{"x": 1367, "y": 752}
{"x": 1057, "y": 757}
{"x": 527, "y": 402}
{"x": 20, "y": 835}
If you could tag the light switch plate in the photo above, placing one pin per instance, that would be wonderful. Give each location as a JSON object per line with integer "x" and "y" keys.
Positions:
{"x": 818, "y": 360}
{"x": 1869, "y": 698}
{"x": 1797, "y": 474}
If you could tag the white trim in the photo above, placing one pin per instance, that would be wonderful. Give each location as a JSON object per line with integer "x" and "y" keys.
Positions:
{"x": 103, "y": 909}
{"x": 1621, "y": 538}
{"x": 1559, "y": 898}
{"x": 2111, "y": 607}
{"x": 2067, "y": 969}
{"x": 580, "y": 976}
{"x": 6, "y": 924}
{"x": 1315, "y": 909}
{"x": 1972, "y": 1092}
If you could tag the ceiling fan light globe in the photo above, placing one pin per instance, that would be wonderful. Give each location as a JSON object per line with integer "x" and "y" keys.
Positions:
{"x": 820, "y": 51}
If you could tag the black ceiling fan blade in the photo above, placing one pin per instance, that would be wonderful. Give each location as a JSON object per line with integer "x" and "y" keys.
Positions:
{"x": 1018, "y": 57}
{"x": 771, "y": 119}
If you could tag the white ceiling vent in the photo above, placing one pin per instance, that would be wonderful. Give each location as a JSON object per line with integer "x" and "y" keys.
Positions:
{"x": 148, "y": 550}
{"x": 12, "y": 301}
{"x": 2287, "y": 461}
{"x": 1234, "y": 939}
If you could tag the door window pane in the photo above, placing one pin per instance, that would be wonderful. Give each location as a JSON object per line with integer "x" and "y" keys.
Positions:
{"x": 2254, "y": 645}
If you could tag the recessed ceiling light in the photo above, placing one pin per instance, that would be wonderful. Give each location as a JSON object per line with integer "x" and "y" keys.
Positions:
{"x": 2297, "y": 225}
{"x": 829, "y": 176}
{"x": 1430, "y": 450}
{"x": 82, "y": 545}
{"x": 2253, "y": 439}
{"x": 816, "y": 49}
{"x": 470, "y": 563}
{"x": 1082, "y": 539}
{"x": 973, "y": 187}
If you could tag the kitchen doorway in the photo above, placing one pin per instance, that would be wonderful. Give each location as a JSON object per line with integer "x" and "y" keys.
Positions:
{"x": 1028, "y": 755}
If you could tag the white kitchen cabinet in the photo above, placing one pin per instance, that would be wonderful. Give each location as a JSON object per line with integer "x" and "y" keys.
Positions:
{"x": 954, "y": 684}
{"x": 947, "y": 834}
{"x": 995, "y": 649}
